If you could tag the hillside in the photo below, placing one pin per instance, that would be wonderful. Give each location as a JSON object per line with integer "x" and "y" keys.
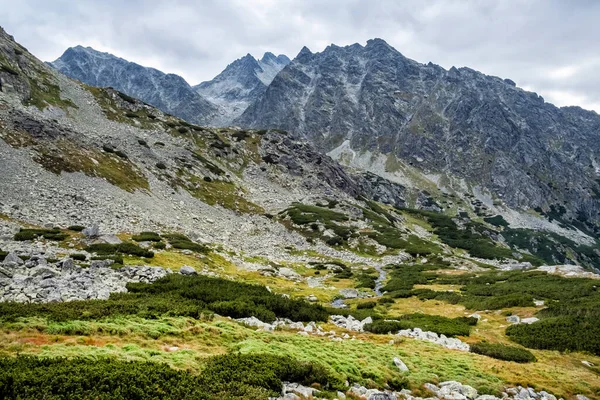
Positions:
{"x": 146, "y": 256}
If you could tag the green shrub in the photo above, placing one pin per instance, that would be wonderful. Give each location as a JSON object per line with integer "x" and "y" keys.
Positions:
{"x": 159, "y": 245}
{"x": 182, "y": 130}
{"x": 121, "y": 154}
{"x": 8, "y": 69}
{"x": 497, "y": 220}
{"x": 365, "y": 305}
{"x": 398, "y": 383}
{"x": 78, "y": 256}
{"x": 49, "y": 234}
{"x": 366, "y": 280}
{"x": 180, "y": 241}
{"x": 161, "y": 165}
{"x": 123, "y": 248}
{"x": 3, "y": 255}
{"x": 131, "y": 115}
{"x": 147, "y": 237}
{"x": 386, "y": 300}
{"x": 224, "y": 377}
{"x": 127, "y": 98}
{"x": 503, "y": 352}
{"x": 559, "y": 333}
{"x": 435, "y": 323}
{"x": 76, "y": 228}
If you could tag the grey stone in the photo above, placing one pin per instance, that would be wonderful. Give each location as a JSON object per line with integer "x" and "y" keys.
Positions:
{"x": 400, "y": 364}
{"x": 13, "y": 258}
{"x": 513, "y": 319}
{"x": 187, "y": 270}
{"x": 91, "y": 231}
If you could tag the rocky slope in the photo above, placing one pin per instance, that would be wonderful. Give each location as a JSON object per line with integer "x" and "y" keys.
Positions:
{"x": 168, "y": 92}
{"x": 242, "y": 82}
{"x": 374, "y": 108}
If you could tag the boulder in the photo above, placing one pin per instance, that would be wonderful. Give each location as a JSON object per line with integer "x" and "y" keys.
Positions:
{"x": 513, "y": 319}
{"x": 12, "y": 258}
{"x": 288, "y": 273}
{"x": 91, "y": 231}
{"x": 400, "y": 364}
{"x": 529, "y": 320}
{"x": 187, "y": 270}
{"x": 349, "y": 293}
{"x": 111, "y": 239}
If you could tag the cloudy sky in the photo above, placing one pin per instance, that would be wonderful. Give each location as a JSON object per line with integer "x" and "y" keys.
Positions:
{"x": 547, "y": 46}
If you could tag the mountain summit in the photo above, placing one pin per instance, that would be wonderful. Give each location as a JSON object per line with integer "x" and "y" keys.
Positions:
{"x": 373, "y": 108}
{"x": 168, "y": 92}
{"x": 242, "y": 82}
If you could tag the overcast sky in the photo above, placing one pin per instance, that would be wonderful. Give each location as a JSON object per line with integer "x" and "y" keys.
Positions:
{"x": 547, "y": 46}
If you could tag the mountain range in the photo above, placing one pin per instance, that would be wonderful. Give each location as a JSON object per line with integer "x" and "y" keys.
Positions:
{"x": 216, "y": 102}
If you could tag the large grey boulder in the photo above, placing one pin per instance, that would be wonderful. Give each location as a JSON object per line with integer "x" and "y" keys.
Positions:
{"x": 187, "y": 270}
{"x": 91, "y": 231}
{"x": 400, "y": 364}
{"x": 12, "y": 258}
{"x": 349, "y": 293}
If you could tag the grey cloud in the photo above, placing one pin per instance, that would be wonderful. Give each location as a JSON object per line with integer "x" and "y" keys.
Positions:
{"x": 545, "y": 45}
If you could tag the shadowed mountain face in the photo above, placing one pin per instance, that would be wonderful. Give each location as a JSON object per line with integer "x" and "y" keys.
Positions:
{"x": 241, "y": 83}
{"x": 458, "y": 123}
{"x": 168, "y": 92}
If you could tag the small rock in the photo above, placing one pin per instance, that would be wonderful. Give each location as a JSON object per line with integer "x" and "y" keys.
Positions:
{"x": 400, "y": 364}
{"x": 513, "y": 319}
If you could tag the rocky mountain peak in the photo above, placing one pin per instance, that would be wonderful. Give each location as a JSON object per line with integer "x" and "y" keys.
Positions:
{"x": 240, "y": 83}
{"x": 168, "y": 92}
{"x": 461, "y": 123}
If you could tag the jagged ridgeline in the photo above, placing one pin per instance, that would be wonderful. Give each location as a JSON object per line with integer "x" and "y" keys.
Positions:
{"x": 147, "y": 256}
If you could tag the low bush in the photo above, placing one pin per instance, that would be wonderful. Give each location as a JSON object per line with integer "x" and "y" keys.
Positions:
{"x": 147, "y": 237}
{"x": 503, "y": 352}
{"x": 224, "y": 377}
{"x": 78, "y": 256}
{"x": 366, "y": 305}
{"x": 122, "y": 248}
{"x": 3, "y": 255}
{"x": 76, "y": 228}
{"x": 176, "y": 295}
{"x": 366, "y": 279}
{"x": 161, "y": 165}
{"x": 442, "y": 325}
{"x": 125, "y": 97}
{"x": 566, "y": 333}
{"x": 179, "y": 241}
{"x": 49, "y": 234}
{"x": 386, "y": 300}
{"x": 159, "y": 245}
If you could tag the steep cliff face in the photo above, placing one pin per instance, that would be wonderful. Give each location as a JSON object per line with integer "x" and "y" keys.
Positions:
{"x": 459, "y": 122}
{"x": 168, "y": 92}
{"x": 241, "y": 83}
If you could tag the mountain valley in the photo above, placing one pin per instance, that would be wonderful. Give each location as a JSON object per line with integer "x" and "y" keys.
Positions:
{"x": 347, "y": 224}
